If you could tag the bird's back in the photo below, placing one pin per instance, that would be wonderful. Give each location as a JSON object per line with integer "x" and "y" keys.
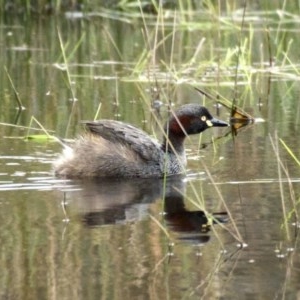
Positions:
{"x": 121, "y": 133}
{"x": 114, "y": 149}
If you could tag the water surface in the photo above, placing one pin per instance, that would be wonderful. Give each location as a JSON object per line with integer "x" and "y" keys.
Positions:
{"x": 147, "y": 239}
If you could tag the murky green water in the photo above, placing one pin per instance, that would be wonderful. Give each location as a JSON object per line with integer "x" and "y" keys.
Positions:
{"x": 139, "y": 239}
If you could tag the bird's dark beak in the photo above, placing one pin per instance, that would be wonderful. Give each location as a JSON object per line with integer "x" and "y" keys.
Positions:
{"x": 216, "y": 123}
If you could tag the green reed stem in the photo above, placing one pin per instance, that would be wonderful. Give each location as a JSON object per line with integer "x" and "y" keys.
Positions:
{"x": 17, "y": 97}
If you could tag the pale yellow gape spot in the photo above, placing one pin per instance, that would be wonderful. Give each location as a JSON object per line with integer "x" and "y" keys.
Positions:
{"x": 208, "y": 122}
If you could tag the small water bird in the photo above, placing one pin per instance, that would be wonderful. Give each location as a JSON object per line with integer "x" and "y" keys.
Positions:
{"x": 116, "y": 149}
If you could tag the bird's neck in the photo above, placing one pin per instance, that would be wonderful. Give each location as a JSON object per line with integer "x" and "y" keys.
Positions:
{"x": 173, "y": 143}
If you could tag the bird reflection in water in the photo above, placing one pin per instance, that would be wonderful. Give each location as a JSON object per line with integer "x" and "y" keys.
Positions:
{"x": 191, "y": 226}
{"x": 107, "y": 202}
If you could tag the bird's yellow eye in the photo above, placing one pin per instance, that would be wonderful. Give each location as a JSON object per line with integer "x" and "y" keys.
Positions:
{"x": 203, "y": 118}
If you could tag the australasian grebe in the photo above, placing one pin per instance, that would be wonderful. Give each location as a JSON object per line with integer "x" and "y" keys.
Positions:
{"x": 115, "y": 149}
